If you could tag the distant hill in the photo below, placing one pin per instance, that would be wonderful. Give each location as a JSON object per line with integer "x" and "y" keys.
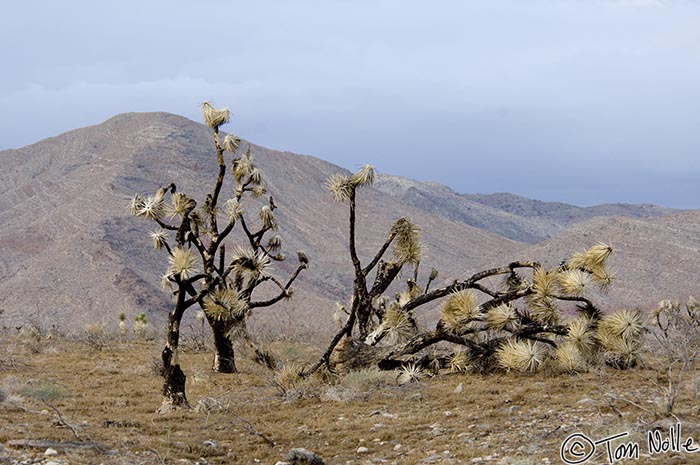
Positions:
{"x": 70, "y": 253}
{"x": 507, "y": 215}
{"x": 655, "y": 258}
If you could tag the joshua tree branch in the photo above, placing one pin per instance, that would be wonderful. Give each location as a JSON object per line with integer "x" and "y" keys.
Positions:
{"x": 467, "y": 284}
{"x": 379, "y": 255}
{"x": 353, "y": 250}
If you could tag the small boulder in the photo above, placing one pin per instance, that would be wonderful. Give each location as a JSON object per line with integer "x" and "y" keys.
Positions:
{"x": 300, "y": 456}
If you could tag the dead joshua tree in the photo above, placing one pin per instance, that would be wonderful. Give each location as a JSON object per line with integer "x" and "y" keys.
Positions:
{"x": 517, "y": 324}
{"x": 200, "y": 271}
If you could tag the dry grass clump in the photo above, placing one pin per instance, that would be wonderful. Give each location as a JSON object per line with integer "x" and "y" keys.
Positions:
{"x": 358, "y": 385}
{"x": 97, "y": 336}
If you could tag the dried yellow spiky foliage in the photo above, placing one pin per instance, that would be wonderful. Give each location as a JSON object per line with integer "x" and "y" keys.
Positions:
{"x": 398, "y": 325}
{"x": 501, "y": 317}
{"x": 410, "y": 373}
{"x": 244, "y": 167}
{"x": 460, "y": 308}
{"x": 183, "y": 263}
{"x": 407, "y": 245}
{"x": 570, "y": 359}
{"x": 627, "y": 324}
{"x": 581, "y": 334}
{"x": 364, "y": 177}
{"x": 224, "y": 304}
{"x": 249, "y": 263}
{"x": 151, "y": 207}
{"x": 545, "y": 283}
{"x": 593, "y": 260}
{"x": 213, "y": 117}
{"x": 274, "y": 244}
{"x": 180, "y": 204}
{"x": 620, "y": 352}
{"x": 459, "y": 362}
{"x": 268, "y": 218}
{"x": 619, "y": 335}
{"x": 231, "y": 143}
{"x": 543, "y": 305}
{"x": 289, "y": 376}
{"x": 233, "y": 209}
{"x": 575, "y": 282}
{"x": 521, "y": 355}
{"x": 340, "y": 188}
{"x": 159, "y": 238}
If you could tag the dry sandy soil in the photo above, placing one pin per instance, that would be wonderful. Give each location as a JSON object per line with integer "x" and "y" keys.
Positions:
{"x": 98, "y": 407}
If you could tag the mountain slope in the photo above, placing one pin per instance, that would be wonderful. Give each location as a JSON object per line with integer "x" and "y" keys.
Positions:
{"x": 71, "y": 252}
{"x": 654, "y": 258}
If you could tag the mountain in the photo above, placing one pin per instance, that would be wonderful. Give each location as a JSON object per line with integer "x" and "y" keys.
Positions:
{"x": 507, "y": 215}
{"x": 654, "y": 258}
{"x": 71, "y": 254}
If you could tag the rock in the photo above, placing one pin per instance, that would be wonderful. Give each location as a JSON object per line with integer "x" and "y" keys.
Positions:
{"x": 459, "y": 388}
{"x": 362, "y": 450}
{"x": 210, "y": 443}
{"x": 300, "y": 456}
{"x": 51, "y": 452}
{"x": 438, "y": 431}
{"x": 397, "y": 447}
{"x": 51, "y": 462}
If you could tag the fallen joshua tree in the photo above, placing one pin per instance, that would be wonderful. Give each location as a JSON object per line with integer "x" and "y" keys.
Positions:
{"x": 532, "y": 317}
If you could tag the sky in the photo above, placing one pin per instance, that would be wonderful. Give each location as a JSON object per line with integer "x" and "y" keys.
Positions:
{"x": 579, "y": 101}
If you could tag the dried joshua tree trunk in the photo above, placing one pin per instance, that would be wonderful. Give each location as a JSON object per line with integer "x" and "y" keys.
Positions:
{"x": 200, "y": 272}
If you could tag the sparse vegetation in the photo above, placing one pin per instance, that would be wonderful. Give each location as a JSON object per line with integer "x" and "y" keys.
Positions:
{"x": 108, "y": 397}
{"x": 674, "y": 351}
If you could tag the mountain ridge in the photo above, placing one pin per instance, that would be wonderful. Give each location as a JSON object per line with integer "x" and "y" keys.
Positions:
{"x": 72, "y": 253}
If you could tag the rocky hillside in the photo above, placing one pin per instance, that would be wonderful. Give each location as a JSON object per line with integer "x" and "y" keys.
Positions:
{"x": 72, "y": 254}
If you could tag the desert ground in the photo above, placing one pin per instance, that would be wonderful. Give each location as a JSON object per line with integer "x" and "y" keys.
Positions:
{"x": 92, "y": 399}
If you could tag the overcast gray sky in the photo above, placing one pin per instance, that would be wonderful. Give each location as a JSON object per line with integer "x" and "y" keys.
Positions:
{"x": 581, "y": 101}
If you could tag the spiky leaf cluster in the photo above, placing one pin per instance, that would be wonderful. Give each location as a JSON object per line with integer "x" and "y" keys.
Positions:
{"x": 183, "y": 263}
{"x": 151, "y": 207}
{"x": 543, "y": 304}
{"x": 224, "y": 304}
{"x": 340, "y": 187}
{"x": 501, "y": 317}
{"x": 250, "y": 263}
{"x": 619, "y": 334}
{"x": 459, "y": 310}
{"x": 570, "y": 359}
{"x": 521, "y": 355}
{"x": 364, "y": 177}
{"x": 407, "y": 245}
{"x": 214, "y": 118}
